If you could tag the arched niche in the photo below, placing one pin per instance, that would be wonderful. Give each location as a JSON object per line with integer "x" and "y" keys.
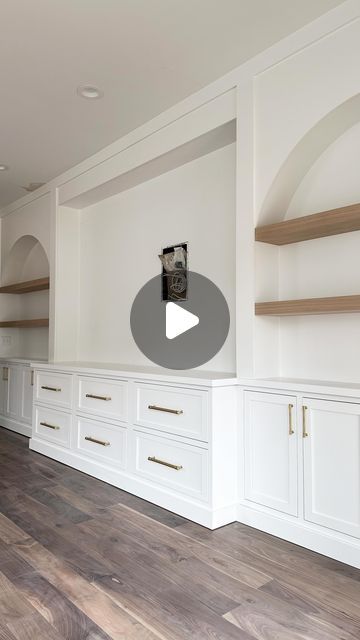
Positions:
{"x": 27, "y": 260}
{"x": 304, "y": 155}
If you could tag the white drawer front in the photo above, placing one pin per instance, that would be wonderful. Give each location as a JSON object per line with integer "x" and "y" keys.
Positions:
{"x": 51, "y": 425}
{"x": 53, "y": 388}
{"x": 106, "y": 443}
{"x": 182, "y": 412}
{"x": 103, "y": 397}
{"x": 176, "y": 465}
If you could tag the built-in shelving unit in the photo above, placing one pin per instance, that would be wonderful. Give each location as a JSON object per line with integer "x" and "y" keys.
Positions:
{"x": 309, "y": 306}
{"x": 318, "y": 225}
{"x": 41, "y": 284}
{"x": 37, "y": 322}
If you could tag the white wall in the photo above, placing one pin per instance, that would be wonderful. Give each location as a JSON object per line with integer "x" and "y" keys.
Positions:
{"x": 122, "y": 236}
{"x": 292, "y": 97}
{"x": 30, "y": 262}
{"x": 32, "y": 219}
{"x": 324, "y": 347}
{"x": 306, "y": 158}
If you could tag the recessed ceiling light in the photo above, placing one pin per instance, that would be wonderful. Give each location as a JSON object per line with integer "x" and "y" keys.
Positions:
{"x": 89, "y": 92}
{"x": 3, "y": 167}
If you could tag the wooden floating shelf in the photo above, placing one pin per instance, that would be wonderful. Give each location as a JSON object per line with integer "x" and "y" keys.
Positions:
{"x": 27, "y": 287}
{"x": 42, "y": 322}
{"x": 309, "y": 306}
{"x": 318, "y": 225}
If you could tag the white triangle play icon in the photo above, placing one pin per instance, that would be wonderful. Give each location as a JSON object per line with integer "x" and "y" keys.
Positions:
{"x": 178, "y": 320}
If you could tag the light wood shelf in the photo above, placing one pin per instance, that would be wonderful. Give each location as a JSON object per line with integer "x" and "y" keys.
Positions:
{"x": 38, "y": 322}
{"x": 40, "y": 284}
{"x": 317, "y": 225}
{"x": 309, "y": 306}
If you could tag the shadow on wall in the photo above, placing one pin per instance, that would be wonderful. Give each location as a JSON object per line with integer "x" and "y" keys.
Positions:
{"x": 27, "y": 260}
{"x": 304, "y": 155}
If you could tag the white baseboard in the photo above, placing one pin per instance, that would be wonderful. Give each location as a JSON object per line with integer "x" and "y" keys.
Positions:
{"x": 325, "y": 541}
{"x": 183, "y": 506}
{"x": 13, "y": 425}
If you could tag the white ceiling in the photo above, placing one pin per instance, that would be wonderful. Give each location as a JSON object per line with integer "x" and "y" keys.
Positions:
{"x": 145, "y": 55}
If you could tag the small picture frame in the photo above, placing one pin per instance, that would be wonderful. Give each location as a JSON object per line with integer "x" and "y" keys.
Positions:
{"x": 174, "y": 260}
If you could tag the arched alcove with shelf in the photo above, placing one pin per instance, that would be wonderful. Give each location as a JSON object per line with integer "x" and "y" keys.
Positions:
{"x": 25, "y": 300}
{"x": 314, "y": 287}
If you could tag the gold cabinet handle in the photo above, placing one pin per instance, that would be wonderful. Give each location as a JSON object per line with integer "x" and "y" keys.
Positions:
{"x": 291, "y": 430}
{"x": 57, "y": 389}
{"x": 5, "y": 375}
{"x": 32, "y": 377}
{"x": 50, "y": 426}
{"x": 154, "y": 407}
{"x": 104, "y": 443}
{"x": 95, "y": 397}
{"x": 177, "y": 467}
{"x": 304, "y": 433}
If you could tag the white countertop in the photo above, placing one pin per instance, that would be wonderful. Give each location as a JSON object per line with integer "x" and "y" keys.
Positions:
{"x": 194, "y": 376}
{"x": 322, "y": 387}
{"x": 202, "y": 377}
{"x": 22, "y": 360}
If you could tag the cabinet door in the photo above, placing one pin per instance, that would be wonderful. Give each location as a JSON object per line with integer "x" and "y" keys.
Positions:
{"x": 4, "y": 374}
{"x": 15, "y": 391}
{"x": 332, "y": 464}
{"x": 271, "y": 451}
{"x": 27, "y": 376}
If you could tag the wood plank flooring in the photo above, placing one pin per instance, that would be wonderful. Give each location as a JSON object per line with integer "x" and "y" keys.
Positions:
{"x": 81, "y": 560}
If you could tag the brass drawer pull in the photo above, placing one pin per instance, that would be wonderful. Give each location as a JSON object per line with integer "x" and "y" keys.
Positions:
{"x": 177, "y": 467}
{"x": 177, "y": 412}
{"x": 50, "y": 426}
{"x": 305, "y": 433}
{"x": 5, "y": 375}
{"x": 32, "y": 377}
{"x": 95, "y": 397}
{"x": 51, "y": 388}
{"x": 291, "y": 430}
{"x": 104, "y": 443}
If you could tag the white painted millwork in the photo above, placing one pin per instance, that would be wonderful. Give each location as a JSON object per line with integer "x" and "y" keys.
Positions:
{"x": 303, "y": 486}
{"x": 270, "y": 438}
{"x": 107, "y": 398}
{"x": 27, "y": 392}
{"x": 222, "y": 450}
{"x": 52, "y": 425}
{"x": 332, "y": 465}
{"x": 3, "y": 389}
{"x": 14, "y": 404}
{"x": 190, "y": 466}
{"x": 168, "y": 438}
{"x": 54, "y": 389}
{"x": 177, "y": 411}
{"x": 103, "y": 442}
{"x": 16, "y": 395}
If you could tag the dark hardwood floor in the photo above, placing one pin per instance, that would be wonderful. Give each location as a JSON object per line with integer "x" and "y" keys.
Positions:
{"x": 81, "y": 560}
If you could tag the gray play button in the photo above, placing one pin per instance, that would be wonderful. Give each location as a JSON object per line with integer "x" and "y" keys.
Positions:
{"x": 180, "y": 335}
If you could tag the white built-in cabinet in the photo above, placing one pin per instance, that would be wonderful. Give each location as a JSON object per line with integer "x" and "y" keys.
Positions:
{"x": 302, "y": 470}
{"x": 16, "y": 396}
{"x": 332, "y": 464}
{"x": 3, "y": 390}
{"x": 271, "y": 451}
{"x": 170, "y": 440}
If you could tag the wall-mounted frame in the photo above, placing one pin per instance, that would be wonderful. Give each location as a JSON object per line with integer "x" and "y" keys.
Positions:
{"x": 174, "y": 260}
